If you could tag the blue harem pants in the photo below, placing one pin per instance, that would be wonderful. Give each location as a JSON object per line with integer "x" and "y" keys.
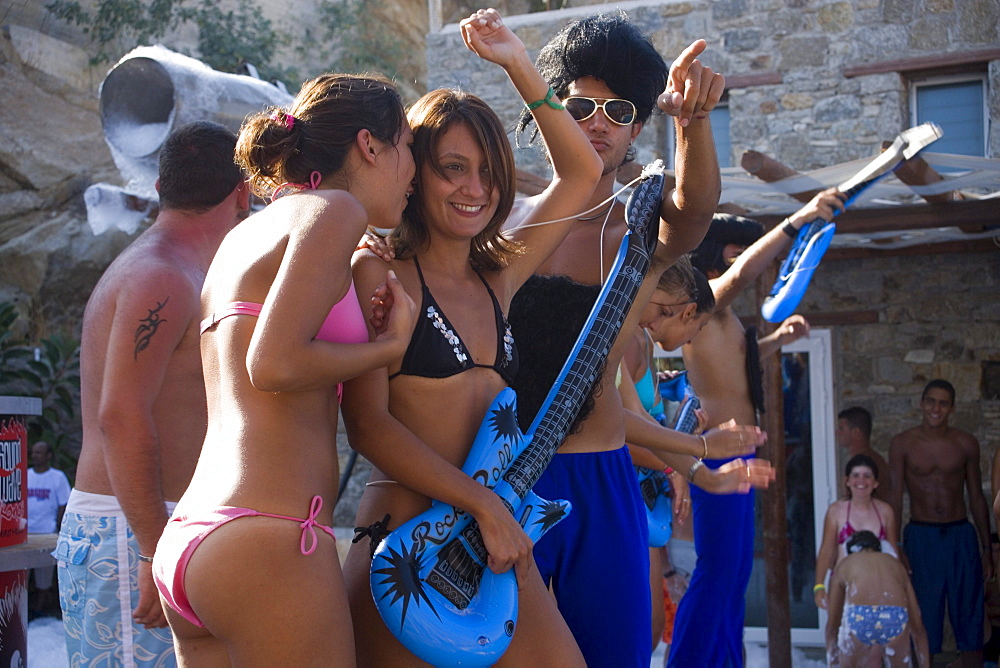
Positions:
{"x": 597, "y": 559}
{"x": 708, "y": 629}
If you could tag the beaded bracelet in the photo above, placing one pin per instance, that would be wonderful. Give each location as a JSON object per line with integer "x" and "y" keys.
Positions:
{"x": 668, "y": 471}
{"x": 546, "y": 100}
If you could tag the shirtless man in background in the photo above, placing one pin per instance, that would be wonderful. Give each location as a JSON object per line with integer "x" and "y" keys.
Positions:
{"x": 854, "y": 430}
{"x": 937, "y": 464}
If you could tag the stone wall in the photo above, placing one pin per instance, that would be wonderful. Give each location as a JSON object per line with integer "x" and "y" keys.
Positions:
{"x": 815, "y": 117}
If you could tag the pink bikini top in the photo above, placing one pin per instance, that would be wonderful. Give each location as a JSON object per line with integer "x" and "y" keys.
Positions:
{"x": 847, "y": 530}
{"x": 345, "y": 323}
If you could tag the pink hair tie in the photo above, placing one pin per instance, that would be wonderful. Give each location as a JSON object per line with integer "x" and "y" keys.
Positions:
{"x": 282, "y": 116}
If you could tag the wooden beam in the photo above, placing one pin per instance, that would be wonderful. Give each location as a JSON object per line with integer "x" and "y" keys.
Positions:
{"x": 530, "y": 184}
{"x": 917, "y": 64}
{"x": 971, "y": 215}
{"x": 770, "y": 170}
{"x": 916, "y": 172}
{"x": 939, "y": 248}
{"x": 773, "y": 500}
{"x": 826, "y": 318}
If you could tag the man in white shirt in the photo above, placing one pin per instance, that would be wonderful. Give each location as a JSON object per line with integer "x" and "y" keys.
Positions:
{"x": 48, "y": 492}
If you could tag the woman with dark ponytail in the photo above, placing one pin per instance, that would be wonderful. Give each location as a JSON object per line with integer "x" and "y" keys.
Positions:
{"x": 247, "y": 566}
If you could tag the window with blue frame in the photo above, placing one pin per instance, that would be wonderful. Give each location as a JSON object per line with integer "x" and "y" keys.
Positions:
{"x": 958, "y": 105}
{"x": 719, "y": 118}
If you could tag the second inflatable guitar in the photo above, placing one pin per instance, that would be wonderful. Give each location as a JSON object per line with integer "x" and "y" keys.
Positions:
{"x": 814, "y": 238}
{"x": 655, "y": 485}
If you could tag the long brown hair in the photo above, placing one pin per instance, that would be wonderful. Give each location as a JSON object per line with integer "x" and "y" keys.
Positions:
{"x": 430, "y": 117}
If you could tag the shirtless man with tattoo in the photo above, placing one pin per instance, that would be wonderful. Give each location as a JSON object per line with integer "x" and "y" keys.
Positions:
{"x": 949, "y": 557}
{"x": 143, "y": 403}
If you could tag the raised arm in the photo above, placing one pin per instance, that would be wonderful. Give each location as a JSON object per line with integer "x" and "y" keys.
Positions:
{"x": 755, "y": 259}
{"x": 576, "y": 165}
{"x": 692, "y": 91}
{"x": 792, "y": 329}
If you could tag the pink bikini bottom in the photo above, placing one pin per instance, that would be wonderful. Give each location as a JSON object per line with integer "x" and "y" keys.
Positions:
{"x": 184, "y": 533}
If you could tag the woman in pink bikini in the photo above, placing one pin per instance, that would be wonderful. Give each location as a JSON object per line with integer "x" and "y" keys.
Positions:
{"x": 860, "y": 511}
{"x": 247, "y": 566}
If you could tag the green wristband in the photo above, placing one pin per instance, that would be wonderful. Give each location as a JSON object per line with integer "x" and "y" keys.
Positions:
{"x": 546, "y": 100}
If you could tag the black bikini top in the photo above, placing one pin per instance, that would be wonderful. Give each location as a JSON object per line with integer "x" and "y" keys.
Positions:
{"x": 435, "y": 351}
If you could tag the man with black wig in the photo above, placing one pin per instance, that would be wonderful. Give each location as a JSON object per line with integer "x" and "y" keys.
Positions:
{"x": 708, "y": 628}
{"x": 610, "y": 77}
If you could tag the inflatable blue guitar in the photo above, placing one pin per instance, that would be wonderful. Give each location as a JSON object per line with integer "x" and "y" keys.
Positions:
{"x": 655, "y": 485}
{"x": 814, "y": 238}
{"x": 429, "y": 577}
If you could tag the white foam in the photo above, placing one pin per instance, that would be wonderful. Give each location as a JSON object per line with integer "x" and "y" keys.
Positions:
{"x": 107, "y": 209}
{"x": 46, "y": 643}
{"x": 138, "y": 139}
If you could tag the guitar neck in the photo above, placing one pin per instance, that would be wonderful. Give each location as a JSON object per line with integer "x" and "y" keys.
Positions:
{"x": 687, "y": 420}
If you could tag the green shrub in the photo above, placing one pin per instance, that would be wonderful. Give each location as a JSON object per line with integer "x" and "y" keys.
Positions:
{"x": 49, "y": 371}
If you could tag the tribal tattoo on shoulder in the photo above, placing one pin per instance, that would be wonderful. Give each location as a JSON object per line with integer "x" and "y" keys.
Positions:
{"x": 147, "y": 328}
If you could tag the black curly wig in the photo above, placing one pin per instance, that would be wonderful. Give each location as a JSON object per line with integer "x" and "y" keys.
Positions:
{"x": 608, "y": 47}
{"x": 725, "y": 229}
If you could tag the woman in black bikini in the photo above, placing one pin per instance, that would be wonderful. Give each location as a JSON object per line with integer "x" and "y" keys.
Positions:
{"x": 450, "y": 251}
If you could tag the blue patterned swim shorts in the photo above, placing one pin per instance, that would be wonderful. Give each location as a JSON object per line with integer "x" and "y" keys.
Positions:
{"x": 98, "y": 576}
{"x": 875, "y": 624}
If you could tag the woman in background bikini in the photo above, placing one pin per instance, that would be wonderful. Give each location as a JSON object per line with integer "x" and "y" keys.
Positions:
{"x": 859, "y": 511}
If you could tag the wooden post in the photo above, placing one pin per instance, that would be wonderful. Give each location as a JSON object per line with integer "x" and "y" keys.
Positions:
{"x": 779, "y": 620}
